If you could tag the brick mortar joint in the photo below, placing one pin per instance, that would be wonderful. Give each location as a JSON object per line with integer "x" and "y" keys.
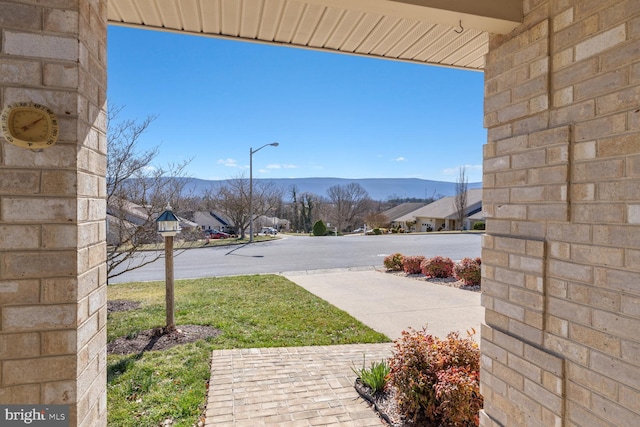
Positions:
{"x": 550, "y": 129}
{"x": 511, "y": 236}
{"x": 532, "y": 345}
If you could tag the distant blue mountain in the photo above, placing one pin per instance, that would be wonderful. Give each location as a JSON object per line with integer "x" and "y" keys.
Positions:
{"x": 378, "y": 188}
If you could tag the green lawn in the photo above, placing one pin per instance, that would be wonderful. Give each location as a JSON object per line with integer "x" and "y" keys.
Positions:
{"x": 251, "y": 311}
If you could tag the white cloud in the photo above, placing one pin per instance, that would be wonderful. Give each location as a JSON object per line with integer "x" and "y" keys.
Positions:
{"x": 456, "y": 170}
{"x": 279, "y": 166}
{"x": 450, "y": 171}
{"x": 400, "y": 159}
{"x": 228, "y": 162}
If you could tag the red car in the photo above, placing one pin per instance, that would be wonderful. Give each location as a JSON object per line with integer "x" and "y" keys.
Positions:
{"x": 216, "y": 234}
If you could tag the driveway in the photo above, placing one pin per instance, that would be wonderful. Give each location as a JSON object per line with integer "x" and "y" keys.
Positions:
{"x": 390, "y": 304}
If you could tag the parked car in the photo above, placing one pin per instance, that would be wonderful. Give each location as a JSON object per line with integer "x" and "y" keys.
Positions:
{"x": 269, "y": 230}
{"x": 216, "y": 234}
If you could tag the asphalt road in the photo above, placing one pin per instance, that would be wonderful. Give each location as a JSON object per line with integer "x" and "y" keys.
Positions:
{"x": 303, "y": 253}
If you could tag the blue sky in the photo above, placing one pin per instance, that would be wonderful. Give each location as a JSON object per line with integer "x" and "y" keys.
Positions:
{"x": 333, "y": 115}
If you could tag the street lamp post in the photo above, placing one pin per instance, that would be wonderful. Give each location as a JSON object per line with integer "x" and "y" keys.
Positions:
{"x": 168, "y": 226}
{"x": 251, "y": 153}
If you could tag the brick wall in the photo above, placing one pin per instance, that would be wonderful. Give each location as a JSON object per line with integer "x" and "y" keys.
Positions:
{"x": 52, "y": 210}
{"x": 562, "y": 196}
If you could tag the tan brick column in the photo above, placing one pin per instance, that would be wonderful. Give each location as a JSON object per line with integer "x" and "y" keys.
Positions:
{"x": 52, "y": 210}
{"x": 561, "y": 192}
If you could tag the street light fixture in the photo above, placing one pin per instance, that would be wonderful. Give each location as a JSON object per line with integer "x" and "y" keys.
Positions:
{"x": 251, "y": 153}
{"x": 168, "y": 226}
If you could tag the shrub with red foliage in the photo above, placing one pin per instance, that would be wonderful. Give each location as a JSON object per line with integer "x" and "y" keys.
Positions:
{"x": 437, "y": 380}
{"x": 411, "y": 264}
{"x": 458, "y": 391}
{"x": 469, "y": 271}
{"x": 393, "y": 262}
{"x": 438, "y": 266}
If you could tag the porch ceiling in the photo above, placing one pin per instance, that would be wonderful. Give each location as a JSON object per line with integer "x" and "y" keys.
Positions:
{"x": 421, "y": 31}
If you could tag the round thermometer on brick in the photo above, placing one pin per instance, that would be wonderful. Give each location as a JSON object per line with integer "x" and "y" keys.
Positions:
{"x": 29, "y": 125}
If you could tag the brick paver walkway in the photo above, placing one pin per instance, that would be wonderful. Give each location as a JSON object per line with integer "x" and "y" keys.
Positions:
{"x": 294, "y": 386}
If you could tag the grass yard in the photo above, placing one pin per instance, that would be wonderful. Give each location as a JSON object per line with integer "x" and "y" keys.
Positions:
{"x": 251, "y": 311}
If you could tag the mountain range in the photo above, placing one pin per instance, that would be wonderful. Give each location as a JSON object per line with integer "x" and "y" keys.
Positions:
{"x": 378, "y": 188}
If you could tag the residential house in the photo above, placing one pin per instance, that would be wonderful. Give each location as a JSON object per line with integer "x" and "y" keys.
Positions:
{"x": 401, "y": 210}
{"x": 213, "y": 221}
{"x": 442, "y": 214}
{"x": 474, "y": 218}
{"x": 271, "y": 221}
{"x": 127, "y": 221}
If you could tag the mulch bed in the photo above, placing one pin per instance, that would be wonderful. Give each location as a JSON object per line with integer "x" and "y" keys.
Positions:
{"x": 452, "y": 282}
{"x": 385, "y": 405}
{"x": 121, "y": 305}
{"x": 159, "y": 339}
{"x": 156, "y": 338}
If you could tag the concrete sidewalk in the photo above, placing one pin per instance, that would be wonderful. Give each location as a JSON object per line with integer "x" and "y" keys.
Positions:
{"x": 390, "y": 304}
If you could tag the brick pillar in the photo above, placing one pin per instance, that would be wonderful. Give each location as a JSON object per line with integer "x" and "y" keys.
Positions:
{"x": 52, "y": 211}
{"x": 561, "y": 180}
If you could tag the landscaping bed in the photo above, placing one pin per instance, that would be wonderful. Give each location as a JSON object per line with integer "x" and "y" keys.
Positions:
{"x": 465, "y": 274}
{"x": 156, "y": 339}
{"x": 384, "y": 403}
{"x": 427, "y": 382}
{"x": 451, "y": 282}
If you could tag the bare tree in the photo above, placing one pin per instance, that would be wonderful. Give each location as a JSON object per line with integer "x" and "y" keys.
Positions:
{"x": 350, "y": 203}
{"x": 377, "y": 220}
{"x": 137, "y": 192}
{"x": 294, "y": 209}
{"x": 303, "y": 210}
{"x": 232, "y": 200}
{"x": 308, "y": 203}
{"x": 460, "y": 201}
